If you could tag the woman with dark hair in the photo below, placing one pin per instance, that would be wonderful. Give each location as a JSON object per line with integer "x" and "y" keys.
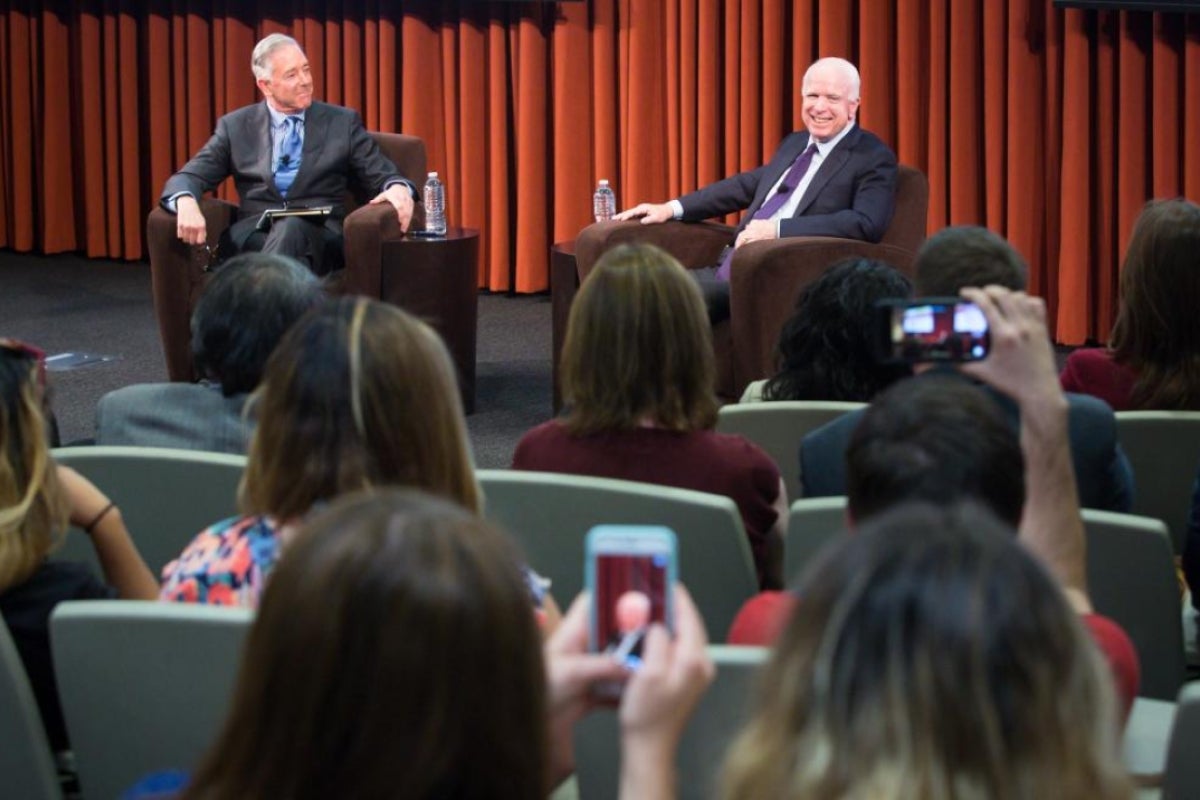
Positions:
{"x": 931, "y": 657}
{"x": 357, "y": 394}
{"x": 394, "y": 655}
{"x": 638, "y": 373}
{"x": 1153, "y": 359}
{"x": 38, "y": 500}
{"x": 826, "y": 348}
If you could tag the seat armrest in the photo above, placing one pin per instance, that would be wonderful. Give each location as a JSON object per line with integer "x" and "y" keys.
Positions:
{"x": 694, "y": 244}
{"x": 365, "y": 230}
{"x": 176, "y": 277}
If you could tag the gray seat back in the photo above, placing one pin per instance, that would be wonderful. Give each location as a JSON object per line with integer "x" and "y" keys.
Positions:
{"x": 717, "y": 719}
{"x": 814, "y": 523}
{"x": 549, "y": 514}
{"x": 1163, "y": 448}
{"x": 145, "y": 686}
{"x": 778, "y": 426}
{"x": 1132, "y": 580}
{"x": 26, "y": 764}
{"x": 166, "y": 496}
{"x": 1181, "y": 780}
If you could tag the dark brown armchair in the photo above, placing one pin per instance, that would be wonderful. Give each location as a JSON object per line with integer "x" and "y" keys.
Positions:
{"x": 766, "y": 277}
{"x": 177, "y": 269}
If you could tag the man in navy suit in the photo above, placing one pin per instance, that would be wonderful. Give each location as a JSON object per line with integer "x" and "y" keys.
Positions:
{"x": 833, "y": 179}
{"x": 286, "y": 152}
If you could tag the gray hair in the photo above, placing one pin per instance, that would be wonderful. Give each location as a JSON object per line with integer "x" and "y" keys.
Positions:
{"x": 848, "y": 71}
{"x": 260, "y": 59}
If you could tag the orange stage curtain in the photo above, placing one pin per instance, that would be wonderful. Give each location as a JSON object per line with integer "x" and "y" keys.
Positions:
{"x": 1050, "y": 127}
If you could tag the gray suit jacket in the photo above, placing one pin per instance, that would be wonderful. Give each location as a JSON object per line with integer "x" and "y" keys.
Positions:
{"x": 1102, "y": 471}
{"x": 338, "y": 153}
{"x": 852, "y": 195}
{"x": 191, "y": 416}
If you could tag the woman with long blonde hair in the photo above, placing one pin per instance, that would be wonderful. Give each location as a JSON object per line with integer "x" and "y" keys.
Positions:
{"x": 38, "y": 501}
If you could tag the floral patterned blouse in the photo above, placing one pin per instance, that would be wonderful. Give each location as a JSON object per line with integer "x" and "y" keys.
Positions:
{"x": 228, "y": 564}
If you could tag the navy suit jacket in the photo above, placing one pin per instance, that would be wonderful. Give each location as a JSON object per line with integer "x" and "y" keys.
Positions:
{"x": 338, "y": 152}
{"x": 852, "y": 195}
{"x": 1102, "y": 471}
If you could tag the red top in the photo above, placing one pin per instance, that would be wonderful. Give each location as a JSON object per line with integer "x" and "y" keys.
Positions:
{"x": 762, "y": 617}
{"x": 1093, "y": 371}
{"x": 704, "y": 461}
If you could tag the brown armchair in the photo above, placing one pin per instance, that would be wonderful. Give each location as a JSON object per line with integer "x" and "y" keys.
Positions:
{"x": 177, "y": 269}
{"x": 766, "y": 277}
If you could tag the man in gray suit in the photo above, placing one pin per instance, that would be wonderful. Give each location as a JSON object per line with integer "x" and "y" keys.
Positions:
{"x": 245, "y": 310}
{"x": 286, "y": 152}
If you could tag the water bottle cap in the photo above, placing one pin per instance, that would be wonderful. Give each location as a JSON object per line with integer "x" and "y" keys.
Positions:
{"x": 604, "y": 182}
{"x": 433, "y": 174}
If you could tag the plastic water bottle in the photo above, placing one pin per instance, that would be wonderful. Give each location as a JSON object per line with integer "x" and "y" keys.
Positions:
{"x": 435, "y": 205}
{"x": 604, "y": 202}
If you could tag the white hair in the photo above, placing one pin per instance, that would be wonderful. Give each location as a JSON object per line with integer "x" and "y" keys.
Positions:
{"x": 847, "y": 71}
{"x": 260, "y": 59}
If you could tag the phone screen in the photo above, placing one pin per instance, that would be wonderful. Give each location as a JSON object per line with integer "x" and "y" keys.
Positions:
{"x": 631, "y": 573}
{"x": 931, "y": 330}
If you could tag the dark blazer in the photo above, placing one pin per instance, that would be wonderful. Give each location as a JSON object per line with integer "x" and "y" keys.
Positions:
{"x": 852, "y": 195}
{"x": 338, "y": 153}
{"x": 1102, "y": 471}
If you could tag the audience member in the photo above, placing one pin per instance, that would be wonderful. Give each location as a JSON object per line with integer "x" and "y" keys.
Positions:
{"x": 638, "y": 374}
{"x": 827, "y": 348}
{"x": 931, "y": 658}
{"x": 949, "y": 261}
{"x": 423, "y": 674}
{"x": 244, "y": 311}
{"x": 941, "y": 440}
{"x": 357, "y": 394}
{"x": 1153, "y": 359}
{"x": 286, "y": 152}
{"x": 38, "y": 499}
{"x": 831, "y": 179}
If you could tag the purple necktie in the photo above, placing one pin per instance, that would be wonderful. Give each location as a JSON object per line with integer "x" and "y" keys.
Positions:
{"x": 775, "y": 202}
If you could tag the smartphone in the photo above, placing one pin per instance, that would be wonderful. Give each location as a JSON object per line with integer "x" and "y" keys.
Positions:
{"x": 630, "y": 571}
{"x": 424, "y": 234}
{"x": 931, "y": 329}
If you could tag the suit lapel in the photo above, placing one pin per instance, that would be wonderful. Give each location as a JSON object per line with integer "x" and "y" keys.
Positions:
{"x": 258, "y": 129}
{"x": 316, "y": 123}
{"x": 833, "y": 162}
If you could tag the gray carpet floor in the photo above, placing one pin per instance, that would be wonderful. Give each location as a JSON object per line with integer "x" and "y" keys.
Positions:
{"x": 70, "y": 304}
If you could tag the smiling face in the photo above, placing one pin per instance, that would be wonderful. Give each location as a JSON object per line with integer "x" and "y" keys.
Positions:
{"x": 290, "y": 87}
{"x": 830, "y": 100}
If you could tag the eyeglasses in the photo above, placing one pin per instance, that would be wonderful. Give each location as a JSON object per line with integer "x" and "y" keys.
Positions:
{"x": 24, "y": 350}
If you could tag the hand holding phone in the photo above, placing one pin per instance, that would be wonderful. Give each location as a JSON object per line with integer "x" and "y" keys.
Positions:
{"x": 930, "y": 329}
{"x": 630, "y": 571}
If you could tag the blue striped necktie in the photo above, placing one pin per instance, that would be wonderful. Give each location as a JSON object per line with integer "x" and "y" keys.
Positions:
{"x": 287, "y": 161}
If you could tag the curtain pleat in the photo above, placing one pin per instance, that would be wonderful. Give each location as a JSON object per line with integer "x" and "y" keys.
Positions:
{"x": 1050, "y": 127}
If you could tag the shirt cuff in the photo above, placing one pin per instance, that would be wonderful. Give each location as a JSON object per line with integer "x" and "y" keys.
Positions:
{"x": 412, "y": 189}
{"x": 172, "y": 201}
{"x": 676, "y": 209}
